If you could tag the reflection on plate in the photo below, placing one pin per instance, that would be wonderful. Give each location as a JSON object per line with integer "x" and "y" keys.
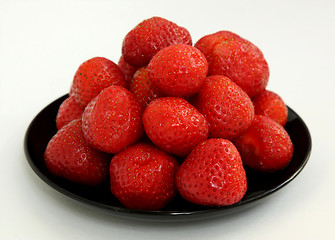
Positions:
{"x": 43, "y": 127}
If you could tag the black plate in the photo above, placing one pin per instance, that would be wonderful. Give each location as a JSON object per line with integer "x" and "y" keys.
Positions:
{"x": 43, "y": 127}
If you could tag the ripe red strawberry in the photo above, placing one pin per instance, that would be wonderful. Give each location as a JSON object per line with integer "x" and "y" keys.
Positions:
{"x": 207, "y": 43}
{"x": 69, "y": 110}
{"x": 143, "y": 88}
{"x": 212, "y": 174}
{"x": 127, "y": 69}
{"x": 227, "y": 108}
{"x": 143, "y": 177}
{"x": 150, "y": 36}
{"x": 178, "y": 70}
{"x": 174, "y": 125}
{"x": 94, "y": 75}
{"x": 112, "y": 120}
{"x": 68, "y": 156}
{"x": 237, "y": 59}
{"x": 265, "y": 146}
{"x": 270, "y": 104}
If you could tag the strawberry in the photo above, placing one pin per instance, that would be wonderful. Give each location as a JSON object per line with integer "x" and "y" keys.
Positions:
{"x": 143, "y": 177}
{"x": 112, "y": 120}
{"x": 127, "y": 69}
{"x": 69, "y": 110}
{"x": 208, "y": 42}
{"x": 68, "y": 156}
{"x": 174, "y": 125}
{"x": 213, "y": 174}
{"x": 93, "y": 76}
{"x": 150, "y": 36}
{"x": 227, "y": 108}
{"x": 178, "y": 70}
{"x": 236, "y": 58}
{"x": 272, "y": 105}
{"x": 143, "y": 88}
{"x": 265, "y": 146}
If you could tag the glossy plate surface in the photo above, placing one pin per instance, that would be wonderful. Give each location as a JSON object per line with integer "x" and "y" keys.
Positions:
{"x": 43, "y": 127}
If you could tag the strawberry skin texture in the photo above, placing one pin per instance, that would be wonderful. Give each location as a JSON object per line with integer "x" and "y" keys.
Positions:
{"x": 127, "y": 69}
{"x": 270, "y": 104}
{"x": 143, "y": 177}
{"x": 112, "y": 120}
{"x": 238, "y": 59}
{"x": 67, "y": 155}
{"x": 69, "y": 110}
{"x": 150, "y": 36}
{"x": 174, "y": 125}
{"x": 227, "y": 108}
{"x": 178, "y": 70}
{"x": 265, "y": 146}
{"x": 93, "y": 76}
{"x": 142, "y": 88}
{"x": 213, "y": 174}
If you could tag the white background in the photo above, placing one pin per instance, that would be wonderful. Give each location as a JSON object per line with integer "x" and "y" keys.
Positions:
{"x": 43, "y": 42}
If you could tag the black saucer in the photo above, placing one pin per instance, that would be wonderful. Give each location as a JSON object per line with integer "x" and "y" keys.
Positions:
{"x": 260, "y": 186}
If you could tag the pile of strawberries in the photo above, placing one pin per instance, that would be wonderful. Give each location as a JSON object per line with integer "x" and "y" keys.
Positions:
{"x": 171, "y": 118}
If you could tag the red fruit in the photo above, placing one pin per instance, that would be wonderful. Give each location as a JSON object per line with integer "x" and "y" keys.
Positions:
{"x": 150, "y": 36}
{"x": 127, "y": 69}
{"x": 213, "y": 174}
{"x": 270, "y": 104}
{"x": 93, "y": 76}
{"x": 178, "y": 70}
{"x": 238, "y": 59}
{"x": 174, "y": 125}
{"x": 265, "y": 146}
{"x": 143, "y": 177}
{"x": 227, "y": 108}
{"x": 207, "y": 43}
{"x": 143, "y": 88}
{"x": 68, "y": 156}
{"x": 69, "y": 110}
{"x": 112, "y": 120}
